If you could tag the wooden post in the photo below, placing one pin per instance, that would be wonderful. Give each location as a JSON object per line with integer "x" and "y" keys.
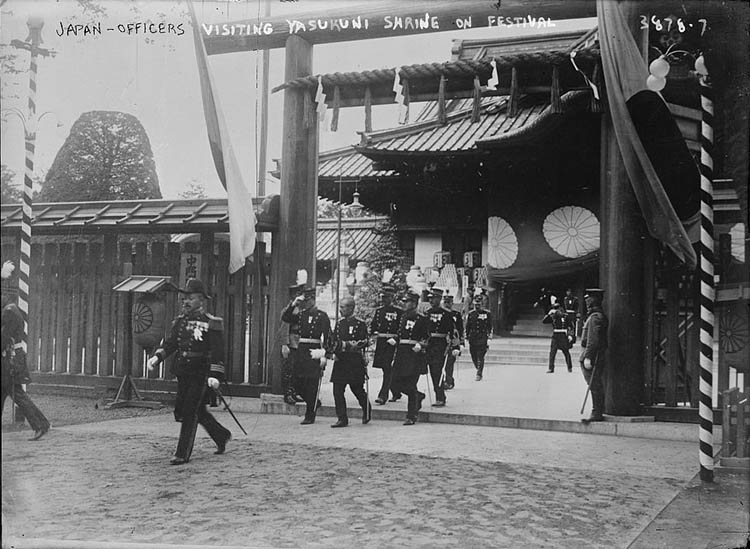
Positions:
{"x": 258, "y": 317}
{"x": 621, "y": 271}
{"x": 294, "y": 243}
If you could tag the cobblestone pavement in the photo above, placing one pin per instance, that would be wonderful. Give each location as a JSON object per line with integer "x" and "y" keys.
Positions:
{"x": 376, "y": 485}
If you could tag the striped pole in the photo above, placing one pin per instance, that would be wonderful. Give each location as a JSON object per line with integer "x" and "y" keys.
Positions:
{"x": 705, "y": 410}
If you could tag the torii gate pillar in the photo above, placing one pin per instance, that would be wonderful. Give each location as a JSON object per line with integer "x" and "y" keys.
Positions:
{"x": 293, "y": 245}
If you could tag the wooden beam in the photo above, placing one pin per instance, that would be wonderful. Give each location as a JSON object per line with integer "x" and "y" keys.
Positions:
{"x": 389, "y": 18}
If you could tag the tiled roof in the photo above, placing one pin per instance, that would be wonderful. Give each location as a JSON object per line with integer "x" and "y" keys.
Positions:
{"x": 347, "y": 163}
{"x": 357, "y": 235}
{"x": 127, "y": 216}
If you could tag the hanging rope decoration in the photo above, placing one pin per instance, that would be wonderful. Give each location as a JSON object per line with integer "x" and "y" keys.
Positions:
{"x": 477, "y": 101}
{"x": 398, "y": 89}
{"x": 336, "y": 107}
{"x": 320, "y": 101}
{"x": 514, "y": 93}
{"x": 405, "y": 118}
{"x": 368, "y": 109}
{"x": 554, "y": 94}
{"x": 494, "y": 79}
{"x": 597, "y": 100}
{"x": 442, "y": 115}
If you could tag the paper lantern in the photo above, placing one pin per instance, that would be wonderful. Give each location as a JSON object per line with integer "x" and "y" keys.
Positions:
{"x": 659, "y": 67}
{"x": 655, "y": 83}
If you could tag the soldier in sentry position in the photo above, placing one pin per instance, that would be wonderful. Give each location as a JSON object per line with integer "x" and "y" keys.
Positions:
{"x": 290, "y": 343}
{"x": 410, "y": 362}
{"x": 314, "y": 340}
{"x": 594, "y": 343}
{"x": 197, "y": 338}
{"x": 561, "y": 336}
{"x": 350, "y": 339}
{"x": 383, "y": 328}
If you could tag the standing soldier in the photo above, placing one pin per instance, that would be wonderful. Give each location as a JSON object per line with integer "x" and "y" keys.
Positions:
{"x": 197, "y": 338}
{"x": 383, "y": 328}
{"x": 315, "y": 336}
{"x": 594, "y": 343}
{"x": 572, "y": 311}
{"x": 441, "y": 328}
{"x": 456, "y": 341}
{"x": 478, "y": 331}
{"x": 560, "y": 336}
{"x": 15, "y": 371}
{"x": 290, "y": 342}
{"x": 411, "y": 339}
{"x": 349, "y": 366}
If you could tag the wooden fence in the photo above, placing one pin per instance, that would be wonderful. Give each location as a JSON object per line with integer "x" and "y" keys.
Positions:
{"x": 78, "y": 325}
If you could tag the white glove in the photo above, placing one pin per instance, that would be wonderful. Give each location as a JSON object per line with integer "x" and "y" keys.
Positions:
{"x": 323, "y": 362}
{"x": 587, "y": 363}
{"x": 317, "y": 353}
{"x": 285, "y": 351}
{"x": 455, "y": 352}
{"x": 417, "y": 347}
{"x": 153, "y": 361}
{"x": 213, "y": 382}
{"x": 391, "y": 342}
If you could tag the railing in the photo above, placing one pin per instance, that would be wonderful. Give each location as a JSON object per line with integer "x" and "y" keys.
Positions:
{"x": 735, "y": 430}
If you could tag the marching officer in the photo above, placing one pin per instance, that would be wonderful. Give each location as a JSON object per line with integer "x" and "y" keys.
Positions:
{"x": 383, "y": 328}
{"x": 198, "y": 339}
{"x": 290, "y": 343}
{"x": 456, "y": 341}
{"x": 441, "y": 328}
{"x": 315, "y": 336}
{"x": 594, "y": 343}
{"x": 478, "y": 331}
{"x": 14, "y": 368}
{"x": 561, "y": 337}
{"x": 349, "y": 367}
{"x": 572, "y": 311}
{"x": 410, "y": 361}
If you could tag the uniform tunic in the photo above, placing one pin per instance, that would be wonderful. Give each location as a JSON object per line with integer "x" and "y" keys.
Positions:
{"x": 560, "y": 334}
{"x": 441, "y": 328}
{"x": 409, "y": 365}
{"x": 478, "y": 330}
{"x": 314, "y": 333}
{"x": 349, "y": 341}
{"x": 383, "y": 326}
{"x": 457, "y": 339}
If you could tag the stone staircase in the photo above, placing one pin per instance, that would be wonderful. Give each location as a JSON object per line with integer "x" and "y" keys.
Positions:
{"x": 515, "y": 350}
{"x": 529, "y": 323}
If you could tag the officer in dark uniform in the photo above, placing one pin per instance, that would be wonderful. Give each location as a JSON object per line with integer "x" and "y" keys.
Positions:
{"x": 478, "y": 331}
{"x": 561, "y": 337}
{"x": 594, "y": 342}
{"x": 544, "y": 301}
{"x": 441, "y": 328}
{"x": 349, "y": 367}
{"x": 198, "y": 339}
{"x": 456, "y": 341}
{"x": 572, "y": 311}
{"x": 289, "y": 349}
{"x": 315, "y": 337}
{"x": 14, "y": 369}
{"x": 383, "y": 328}
{"x": 410, "y": 362}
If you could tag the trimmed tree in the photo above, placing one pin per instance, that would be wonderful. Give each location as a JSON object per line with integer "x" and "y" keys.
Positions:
{"x": 385, "y": 254}
{"x": 107, "y": 156}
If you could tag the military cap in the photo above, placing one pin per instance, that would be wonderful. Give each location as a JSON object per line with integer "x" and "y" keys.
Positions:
{"x": 435, "y": 292}
{"x": 194, "y": 286}
{"x": 594, "y": 292}
{"x": 388, "y": 289}
{"x": 411, "y": 296}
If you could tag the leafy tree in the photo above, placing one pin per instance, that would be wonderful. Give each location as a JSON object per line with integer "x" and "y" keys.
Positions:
{"x": 11, "y": 193}
{"x": 194, "y": 190}
{"x": 385, "y": 254}
{"x": 107, "y": 156}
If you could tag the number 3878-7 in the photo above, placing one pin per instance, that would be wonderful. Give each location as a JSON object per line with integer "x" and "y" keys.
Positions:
{"x": 667, "y": 23}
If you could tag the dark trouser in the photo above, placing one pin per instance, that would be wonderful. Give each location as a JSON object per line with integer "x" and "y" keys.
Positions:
{"x": 435, "y": 362}
{"x": 288, "y": 380}
{"x": 594, "y": 378}
{"x": 559, "y": 342}
{"x": 387, "y": 384}
{"x": 408, "y": 386}
{"x": 308, "y": 390}
{"x": 191, "y": 407}
{"x": 477, "y": 356}
{"x": 28, "y": 408}
{"x": 340, "y": 400}
{"x": 449, "y": 365}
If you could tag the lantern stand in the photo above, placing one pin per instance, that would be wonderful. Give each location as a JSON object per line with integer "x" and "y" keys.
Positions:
{"x": 127, "y": 395}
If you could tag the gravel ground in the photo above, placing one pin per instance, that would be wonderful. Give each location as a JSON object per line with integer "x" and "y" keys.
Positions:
{"x": 74, "y": 410}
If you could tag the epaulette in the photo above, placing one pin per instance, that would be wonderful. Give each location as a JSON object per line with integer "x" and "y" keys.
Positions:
{"x": 215, "y": 322}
